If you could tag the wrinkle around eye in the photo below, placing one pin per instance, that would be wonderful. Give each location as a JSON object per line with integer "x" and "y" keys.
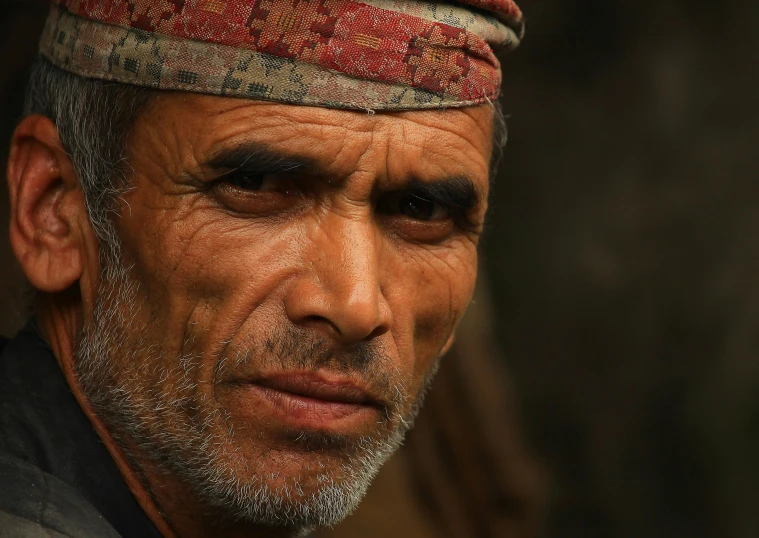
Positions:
{"x": 430, "y": 234}
{"x": 256, "y": 203}
{"x": 453, "y": 257}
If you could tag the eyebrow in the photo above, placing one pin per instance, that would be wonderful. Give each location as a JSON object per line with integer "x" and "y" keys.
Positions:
{"x": 455, "y": 193}
{"x": 257, "y": 159}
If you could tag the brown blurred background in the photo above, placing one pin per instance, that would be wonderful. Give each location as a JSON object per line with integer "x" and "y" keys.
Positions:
{"x": 619, "y": 324}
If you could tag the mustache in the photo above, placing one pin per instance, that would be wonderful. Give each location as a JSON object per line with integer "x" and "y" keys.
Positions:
{"x": 293, "y": 348}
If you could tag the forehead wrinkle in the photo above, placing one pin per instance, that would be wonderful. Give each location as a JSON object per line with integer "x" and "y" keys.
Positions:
{"x": 447, "y": 157}
{"x": 467, "y": 130}
{"x": 357, "y": 121}
{"x": 253, "y": 135}
{"x": 361, "y": 138}
{"x": 296, "y": 115}
{"x": 316, "y": 121}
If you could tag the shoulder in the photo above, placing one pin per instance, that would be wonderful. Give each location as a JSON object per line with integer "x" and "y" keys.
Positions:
{"x": 34, "y": 503}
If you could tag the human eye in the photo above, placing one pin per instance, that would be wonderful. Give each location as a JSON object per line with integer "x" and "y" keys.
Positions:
{"x": 418, "y": 207}
{"x": 255, "y": 192}
{"x": 416, "y": 217}
{"x": 252, "y": 182}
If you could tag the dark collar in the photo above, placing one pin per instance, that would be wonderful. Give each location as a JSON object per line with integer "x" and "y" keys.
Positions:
{"x": 42, "y": 423}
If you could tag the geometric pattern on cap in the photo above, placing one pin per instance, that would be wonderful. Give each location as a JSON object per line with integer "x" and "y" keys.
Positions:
{"x": 405, "y": 54}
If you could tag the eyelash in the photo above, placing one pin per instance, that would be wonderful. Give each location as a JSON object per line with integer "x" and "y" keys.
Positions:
{"x": 407, "y": 202}
{"x": 238, "y": 179}
{"x": 400, "y": 203}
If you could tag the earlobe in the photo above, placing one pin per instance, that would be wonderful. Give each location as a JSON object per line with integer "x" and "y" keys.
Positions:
{"x": 46, "y": 206}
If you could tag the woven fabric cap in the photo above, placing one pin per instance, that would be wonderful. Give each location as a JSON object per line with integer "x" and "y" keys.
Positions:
{"x": 373, "y": 55}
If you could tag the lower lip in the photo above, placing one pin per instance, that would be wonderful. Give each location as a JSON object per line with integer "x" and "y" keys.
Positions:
{"x": 302, "y": 411}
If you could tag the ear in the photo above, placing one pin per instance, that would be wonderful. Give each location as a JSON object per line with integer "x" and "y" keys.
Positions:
{"x": 47, "y": 207}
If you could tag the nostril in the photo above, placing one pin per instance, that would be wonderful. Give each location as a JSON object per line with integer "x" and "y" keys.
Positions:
{"x": 345, "y": 330}
{"x": 377, "y": 332}
{"x": 320, "y": 324}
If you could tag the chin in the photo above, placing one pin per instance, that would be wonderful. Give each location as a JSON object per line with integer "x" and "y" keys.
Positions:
{"x": 287, "y": 477}
{"x": 289, "y": 488}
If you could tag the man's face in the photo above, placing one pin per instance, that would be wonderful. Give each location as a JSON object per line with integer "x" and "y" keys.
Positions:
{"x": 289, "y": 277}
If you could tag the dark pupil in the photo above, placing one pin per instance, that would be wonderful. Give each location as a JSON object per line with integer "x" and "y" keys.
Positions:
{"x": 415, "y": 207}
{"x": 251, "y": 182}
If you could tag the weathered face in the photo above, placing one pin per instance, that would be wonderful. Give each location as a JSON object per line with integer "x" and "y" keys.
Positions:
{"x": 292, "y": 275}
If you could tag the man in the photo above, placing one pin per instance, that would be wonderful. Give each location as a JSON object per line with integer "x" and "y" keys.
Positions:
{"x": 252, "y": 227}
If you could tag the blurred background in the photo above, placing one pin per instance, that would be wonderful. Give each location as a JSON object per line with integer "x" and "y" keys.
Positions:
{"x": 606, "y": 382}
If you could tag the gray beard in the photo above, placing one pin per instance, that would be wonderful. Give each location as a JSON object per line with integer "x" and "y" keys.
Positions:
{"x": 146, "y": 407}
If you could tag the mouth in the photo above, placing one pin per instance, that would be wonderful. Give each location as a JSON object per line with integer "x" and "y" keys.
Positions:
{"x": 309, "y": 401}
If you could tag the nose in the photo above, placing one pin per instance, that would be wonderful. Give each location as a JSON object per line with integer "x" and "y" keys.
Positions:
{"x": 340, "y": 291}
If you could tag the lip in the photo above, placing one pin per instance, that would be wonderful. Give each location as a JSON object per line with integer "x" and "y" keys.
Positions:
{"x": 309, "y": 400}
{"x": 317, "y": 387}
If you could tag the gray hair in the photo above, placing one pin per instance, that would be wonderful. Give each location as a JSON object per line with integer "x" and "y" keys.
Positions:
{"x": 500, "y": 137}
{"x": 94, "y": 119}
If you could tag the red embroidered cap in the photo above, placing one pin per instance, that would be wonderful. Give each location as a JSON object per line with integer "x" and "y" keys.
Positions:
{"x": 373, "y": 55}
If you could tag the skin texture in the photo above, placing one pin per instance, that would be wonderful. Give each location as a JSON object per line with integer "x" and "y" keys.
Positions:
{"x": 226, "y": 262}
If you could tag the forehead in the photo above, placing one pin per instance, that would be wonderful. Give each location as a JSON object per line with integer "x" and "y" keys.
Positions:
{"x": 189, "y": 129}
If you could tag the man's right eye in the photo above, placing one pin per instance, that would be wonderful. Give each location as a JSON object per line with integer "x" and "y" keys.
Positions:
{"x": 251, "y": 193}
{"x": 252, "y": 182}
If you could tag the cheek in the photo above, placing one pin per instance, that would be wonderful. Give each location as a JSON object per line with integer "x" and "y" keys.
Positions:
{"x": 432, "y": 288}
{"x": 203, "y": 273}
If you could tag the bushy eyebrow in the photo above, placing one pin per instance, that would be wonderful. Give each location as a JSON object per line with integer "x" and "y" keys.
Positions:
{"x": 256, "y": 159}
{"x": 453, "y": 193}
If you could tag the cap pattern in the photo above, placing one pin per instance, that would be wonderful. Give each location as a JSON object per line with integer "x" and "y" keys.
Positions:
{"x": 377, "y": 54}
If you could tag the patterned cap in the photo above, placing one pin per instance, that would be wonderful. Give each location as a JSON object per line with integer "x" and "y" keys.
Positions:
{"x": 372, "y": 55}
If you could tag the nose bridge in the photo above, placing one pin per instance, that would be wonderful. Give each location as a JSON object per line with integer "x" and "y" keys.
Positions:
{"x": 346, "y": 265}
{"x": 351, "y": 272}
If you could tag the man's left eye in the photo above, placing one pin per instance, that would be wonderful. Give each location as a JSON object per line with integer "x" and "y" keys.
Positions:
{"x": 415, "y": 207}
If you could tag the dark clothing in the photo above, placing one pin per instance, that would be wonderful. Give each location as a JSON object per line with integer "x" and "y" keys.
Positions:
{"x": 56, "y": 476}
